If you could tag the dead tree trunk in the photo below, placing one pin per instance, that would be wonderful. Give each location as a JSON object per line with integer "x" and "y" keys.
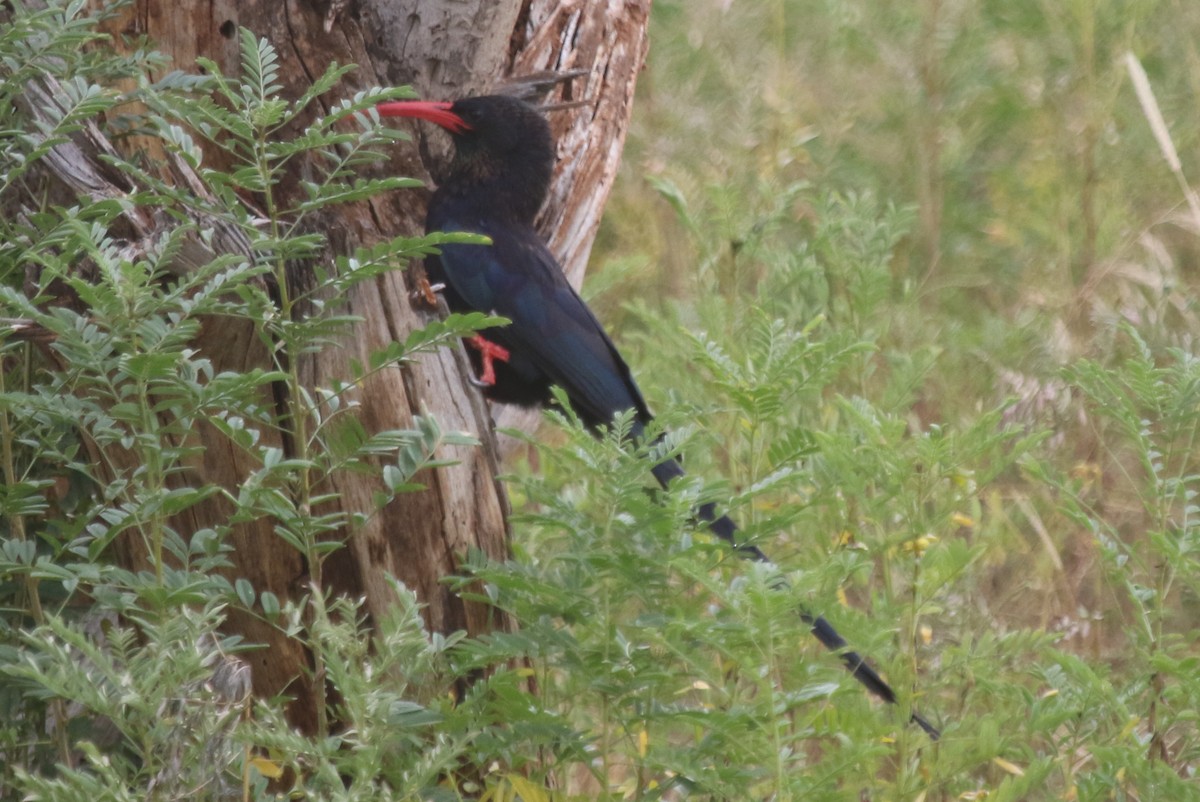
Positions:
{"x": 444, "y": 49}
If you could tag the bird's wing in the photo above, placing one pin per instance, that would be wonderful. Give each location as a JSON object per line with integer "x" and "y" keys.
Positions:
{"x": 517, "y": 277}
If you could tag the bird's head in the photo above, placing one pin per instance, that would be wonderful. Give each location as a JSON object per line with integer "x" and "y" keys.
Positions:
{"x": 499, "y": 141}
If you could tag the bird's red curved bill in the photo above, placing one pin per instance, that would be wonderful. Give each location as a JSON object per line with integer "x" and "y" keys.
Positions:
{"x": 434, "y": 112}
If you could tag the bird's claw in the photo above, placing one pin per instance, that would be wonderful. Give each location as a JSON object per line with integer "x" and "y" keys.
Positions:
{"x": 427, "y": 292}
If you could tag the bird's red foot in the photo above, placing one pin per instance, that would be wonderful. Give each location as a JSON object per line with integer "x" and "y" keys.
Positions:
{"x": 490, "y": 353}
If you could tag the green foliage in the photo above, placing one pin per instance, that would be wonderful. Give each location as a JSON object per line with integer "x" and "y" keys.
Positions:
{"x": 53, "y": 41}
{"x": 1146, "y": 413}
{"x": 115, "y": 683}
{"x": 159, "y": 697}
{"x": 707, "y": 657}
{"x": 967, "y": 205}
{"x": 921, "y": 331}
{"x": 396, "y": 739}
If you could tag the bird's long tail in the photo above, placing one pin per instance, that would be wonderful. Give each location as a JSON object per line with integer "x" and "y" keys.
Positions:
{"x": 724, "y": 528}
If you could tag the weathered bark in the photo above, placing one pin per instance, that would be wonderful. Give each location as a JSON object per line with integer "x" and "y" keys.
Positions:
{"x": 609, "y": 41}
{"x": 444, "y": 49}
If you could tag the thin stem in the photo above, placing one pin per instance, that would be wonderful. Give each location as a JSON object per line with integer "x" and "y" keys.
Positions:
{"x": 153, "y": 458}
{"x": 778, "y": 721}
{"x": 609, "y": 637}
{"x": 298, "y": 417}
{"x": 17, "y": 526}
{"x": 929, "y": 138}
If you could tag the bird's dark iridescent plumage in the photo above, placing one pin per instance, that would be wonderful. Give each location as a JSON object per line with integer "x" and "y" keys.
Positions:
{"x": 495, "y": 185}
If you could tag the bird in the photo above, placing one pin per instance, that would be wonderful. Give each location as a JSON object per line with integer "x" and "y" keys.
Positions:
{"x": 495, "y": 184}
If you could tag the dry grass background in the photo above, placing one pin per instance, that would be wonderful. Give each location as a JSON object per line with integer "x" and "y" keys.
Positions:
{"x": 1042, "y": 151}
{"x": 1047, "y": 174}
